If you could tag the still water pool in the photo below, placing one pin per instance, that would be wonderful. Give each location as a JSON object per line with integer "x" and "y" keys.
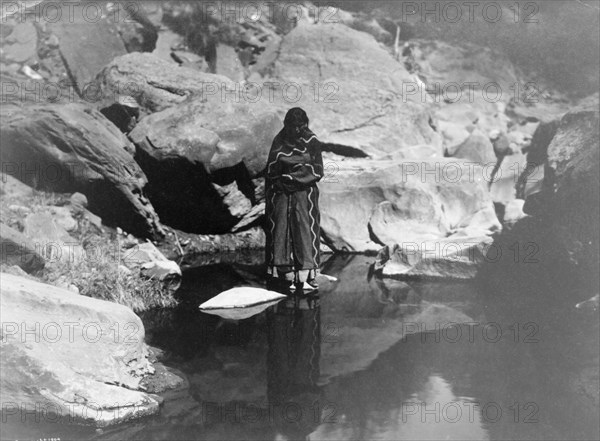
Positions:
{"x": 374, "y": 359}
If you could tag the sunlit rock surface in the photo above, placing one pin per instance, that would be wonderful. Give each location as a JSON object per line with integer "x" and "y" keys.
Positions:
{"x": 83, "y": 357}
{"x": 368, "y": 204}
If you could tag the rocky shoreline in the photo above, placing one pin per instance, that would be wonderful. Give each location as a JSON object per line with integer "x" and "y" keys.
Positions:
{"x": 150, "y": 157}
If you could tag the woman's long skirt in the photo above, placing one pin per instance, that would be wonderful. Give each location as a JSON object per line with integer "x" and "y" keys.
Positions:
{"x": 293, "y": 231}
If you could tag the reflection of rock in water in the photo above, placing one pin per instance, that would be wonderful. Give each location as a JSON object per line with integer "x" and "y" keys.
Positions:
{"x": 293, "y": 366}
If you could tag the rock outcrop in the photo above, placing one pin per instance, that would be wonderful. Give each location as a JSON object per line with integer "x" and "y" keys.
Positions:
{"x": 152, "y": 263}
{"x": 154, "y": 83}
{"x": 200, "y": 158}
{"x": 574, "y": 168}
{"x": 79, "y": 359}
{"x": 368, "y": 204}
{"x": 329, "y": 70}
{"x": 71, "y": 147}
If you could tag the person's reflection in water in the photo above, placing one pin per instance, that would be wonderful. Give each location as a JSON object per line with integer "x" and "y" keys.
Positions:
{"x": 293, "y": 367}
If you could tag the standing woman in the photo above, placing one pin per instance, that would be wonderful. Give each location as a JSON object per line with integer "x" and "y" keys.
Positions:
{"x": 294, "y": 167}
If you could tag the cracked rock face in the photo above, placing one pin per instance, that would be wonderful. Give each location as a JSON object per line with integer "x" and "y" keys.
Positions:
{"x": 71, "y": 147}
{"x": 351, "y": 88}
{"x": 155, "y": 84}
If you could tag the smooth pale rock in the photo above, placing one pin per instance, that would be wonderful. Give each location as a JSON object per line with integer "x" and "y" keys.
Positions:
{"x": 477, "y": 148}
{"x": 215, "y": 134}
{"x": 151, "y": 262}
{"x": 84, "y": 358}
{"x": 240, "y": 303}
{"x": 372, "y": 203}
{"x": 143, "y": 253}
{"x": 190, "y": 146}
{"x": 17, "y": 249}
{"x": 415, "y": 216}
{"x": 513, "y": 211}
{"x": 454, "y": 258}
{"x": 328, "y": 70}
{"x": 78, "y": 200}
{"x": 161, "y": 270}
{"x": 155, "y": 83}
{"x": 70, "y": 148}
{"x": 504, "y": 185}
{"x": 241, "y": 297}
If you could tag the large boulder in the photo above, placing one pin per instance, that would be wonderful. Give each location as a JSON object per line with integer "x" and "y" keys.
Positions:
{"x": 71, "y": 147}
{"x": 73, "y": 358}
{"x": 200, "y": 158}
{"x": 351, "y": 88}
{"x": 574, "y": 167}
{"x": 154, "y": 83}
{"x": 370, "y": 203}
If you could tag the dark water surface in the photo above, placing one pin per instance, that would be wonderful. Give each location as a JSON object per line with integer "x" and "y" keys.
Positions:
{"x": 375, "y": 359}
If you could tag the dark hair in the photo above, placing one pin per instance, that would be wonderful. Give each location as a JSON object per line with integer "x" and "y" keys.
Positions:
{"x": 295, "y": 118}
